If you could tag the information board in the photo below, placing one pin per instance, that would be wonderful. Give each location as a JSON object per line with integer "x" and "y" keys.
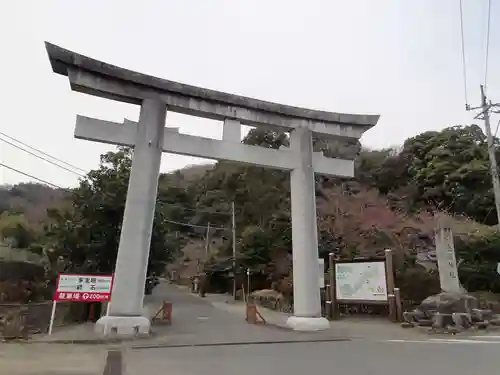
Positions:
{"x": 361, "y": 281}
{"x": 83, "y": 288}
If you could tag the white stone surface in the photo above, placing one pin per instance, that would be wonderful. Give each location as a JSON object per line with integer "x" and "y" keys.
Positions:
{"x": 228, "y": 149}
{"x": 344, "y": 125}
{"x": 123, "y": 325}
{"x": 231, "y": 130}
{"x": 447, "y": 263}
{"x": 306, "y": 288}
{"x": 298, "y": 323}
{"x": 135, "y": 237}
{"x": 149, "y": 139}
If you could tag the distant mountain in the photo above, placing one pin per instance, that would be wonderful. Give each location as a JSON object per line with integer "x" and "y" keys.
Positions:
{"x": 33, "y": 199}
{"x": 30, "y": 199}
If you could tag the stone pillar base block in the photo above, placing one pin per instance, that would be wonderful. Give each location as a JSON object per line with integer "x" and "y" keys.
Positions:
{"x": 123, "y": 325}
{"x": 299, "y": 323}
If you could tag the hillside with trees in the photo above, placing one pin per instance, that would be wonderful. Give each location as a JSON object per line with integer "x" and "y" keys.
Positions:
{"x": 391, "y": 203}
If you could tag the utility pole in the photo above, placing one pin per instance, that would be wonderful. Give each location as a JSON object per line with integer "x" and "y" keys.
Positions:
{"x": 485, "y": 115}
{"x": 207, "y": 242}
{"x": 233, "y": 221}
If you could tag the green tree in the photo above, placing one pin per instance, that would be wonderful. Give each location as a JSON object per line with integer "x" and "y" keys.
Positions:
{"x": 446, "y": 170}
{"x": 451, "y": 170}
{"x": 15, "y": 230}
{"x": 87, "y": 235}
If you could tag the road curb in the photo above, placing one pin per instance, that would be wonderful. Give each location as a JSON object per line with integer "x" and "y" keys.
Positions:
{"x": 92, "y": 341}
{"x": 240, "y": 343}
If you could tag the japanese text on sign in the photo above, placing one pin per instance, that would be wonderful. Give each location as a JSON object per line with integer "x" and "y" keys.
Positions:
{"x": 84, "y": 288}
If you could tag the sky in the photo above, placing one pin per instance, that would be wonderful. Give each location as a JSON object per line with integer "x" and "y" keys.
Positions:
{"x": 398, "y": 58}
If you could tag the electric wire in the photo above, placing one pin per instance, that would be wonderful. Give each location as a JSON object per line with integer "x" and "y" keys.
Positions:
{"x": 487, "y": 46}
{"x": 42, "y": 152}
{"x": 32, "y": 177}
{"x": 194, "y": 225}
{"x": 42, "y": 158}
{"x": 464, "y": 64}
{"x": 212, "y": 212}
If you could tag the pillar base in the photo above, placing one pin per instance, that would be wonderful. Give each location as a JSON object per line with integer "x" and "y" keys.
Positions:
{"x": 307, "y": 324}
{"x": 123, "y": 325}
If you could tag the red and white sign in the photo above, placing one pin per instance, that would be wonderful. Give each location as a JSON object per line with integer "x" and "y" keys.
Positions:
{"x": 83, "y": 288}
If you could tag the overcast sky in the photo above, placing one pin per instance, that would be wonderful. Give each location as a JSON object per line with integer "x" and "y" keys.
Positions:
{"x": 397, "y": 58}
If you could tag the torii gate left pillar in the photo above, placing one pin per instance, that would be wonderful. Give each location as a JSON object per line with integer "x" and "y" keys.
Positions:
{"x": 150, "y": 138}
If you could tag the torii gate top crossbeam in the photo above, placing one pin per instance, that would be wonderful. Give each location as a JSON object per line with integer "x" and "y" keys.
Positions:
{"x": 97, "y": 78}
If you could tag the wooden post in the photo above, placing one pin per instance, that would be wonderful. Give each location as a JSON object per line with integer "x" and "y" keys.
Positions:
{"x": 392, "y": 307}
{"x": 328, "y": 303}
{"x": 333, "y": 287}
{"x": 164, "y": 314}
{"x": 253, "y": 316}
{"x": 248, "y": 284}
{"x": 251, "y": 313}
{"x": 399, "y": 305}
{"x": 389, "y": 270}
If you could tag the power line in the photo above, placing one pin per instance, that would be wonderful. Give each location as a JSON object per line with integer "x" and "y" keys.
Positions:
{"x": 33, "y": 177}
{"x": 81, "y": 175}
{"x": 464, "y": 65}
{"x": 196, "y": 210}
{"x": 42, "y": 158}
{"x": 43, "y": 153}
{"x": 193, "y": 225}
{"x": 487, "y": 46}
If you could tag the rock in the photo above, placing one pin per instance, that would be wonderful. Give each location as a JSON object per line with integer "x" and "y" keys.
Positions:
{"x": 448, "y": 303}
{"x": 407, "y": 325}
{"x": 495, "y": 321}
{"x": 481, "y": 315}
{"x": 482, "y": 325}
{"x": 449, "y": 312}
{"x": 268, "y": 298}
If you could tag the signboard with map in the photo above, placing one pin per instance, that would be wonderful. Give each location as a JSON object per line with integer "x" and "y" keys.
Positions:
{"x": 361, "y": 281}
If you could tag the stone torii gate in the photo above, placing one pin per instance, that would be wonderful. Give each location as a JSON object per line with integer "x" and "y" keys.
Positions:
{"x": 150, "y": 138}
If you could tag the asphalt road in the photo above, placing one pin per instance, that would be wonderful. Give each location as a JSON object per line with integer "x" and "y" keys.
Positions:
{"x": 242, "y": 349}
{"x": 346, "y": 358}
{"x": 207, "y": 340}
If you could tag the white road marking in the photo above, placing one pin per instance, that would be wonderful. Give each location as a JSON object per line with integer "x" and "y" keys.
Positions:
{"x": 451, "y": 341}
{"x": 463, "y": 341}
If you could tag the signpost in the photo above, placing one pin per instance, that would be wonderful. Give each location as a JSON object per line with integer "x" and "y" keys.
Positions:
{"x": 81, "y": 288}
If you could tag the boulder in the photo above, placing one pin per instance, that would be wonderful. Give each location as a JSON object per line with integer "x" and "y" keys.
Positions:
{"x": 268, "y": 298}
{"x": 448, "y": 303}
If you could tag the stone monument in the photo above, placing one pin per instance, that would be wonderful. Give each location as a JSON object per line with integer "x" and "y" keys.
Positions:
{"x": 453, "y": 308}
{"x": 446, "y": 260}
{"x": 149, "y": 138}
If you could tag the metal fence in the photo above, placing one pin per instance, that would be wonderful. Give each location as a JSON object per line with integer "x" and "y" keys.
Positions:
{"x": 24, "y": 320}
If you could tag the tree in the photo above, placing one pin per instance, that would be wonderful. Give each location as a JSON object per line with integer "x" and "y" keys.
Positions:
{"x": 87, "y": 235}
{"x": 15, "y": 230}
{"x": 446, "y": 170}
{"x": 451, "y": 170}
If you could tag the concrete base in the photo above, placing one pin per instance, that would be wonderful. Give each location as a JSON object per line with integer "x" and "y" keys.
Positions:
{"x": 299, "y": 323}
{"x": 123, "y": 325}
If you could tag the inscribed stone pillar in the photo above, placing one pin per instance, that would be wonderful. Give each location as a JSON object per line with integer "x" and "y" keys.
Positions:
{"x": 447, "y": 264}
